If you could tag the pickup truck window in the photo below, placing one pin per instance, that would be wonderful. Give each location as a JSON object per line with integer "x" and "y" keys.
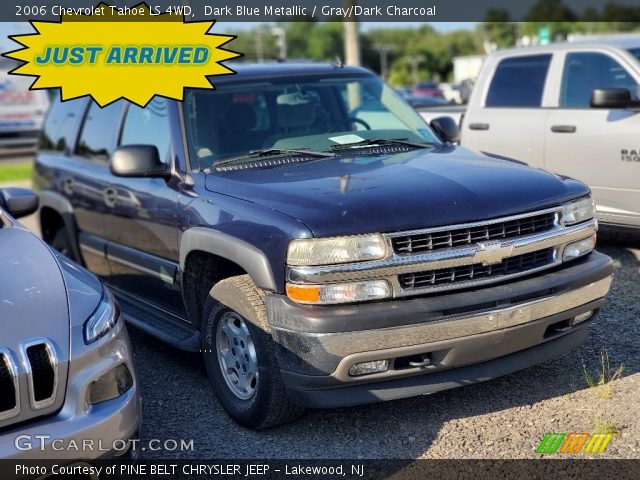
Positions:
{"x": 98, "y": 137}
{"x": 148, "y": 126}
{"x": 587, "y": 71}
{"x": 295, "y": 113}
{"x": 519, "y": 82}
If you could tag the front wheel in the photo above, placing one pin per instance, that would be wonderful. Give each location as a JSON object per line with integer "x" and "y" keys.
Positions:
{"x": 240, "y": 357}
{"x": 61, "y": 243}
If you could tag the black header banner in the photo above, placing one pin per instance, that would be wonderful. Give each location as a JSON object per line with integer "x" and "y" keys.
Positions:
{"x": 338, "y": 10}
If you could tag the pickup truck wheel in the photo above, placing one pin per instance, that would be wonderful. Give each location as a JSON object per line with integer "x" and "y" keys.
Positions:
{"x": 239, "y": 354}
{"x": 62, "y": 244}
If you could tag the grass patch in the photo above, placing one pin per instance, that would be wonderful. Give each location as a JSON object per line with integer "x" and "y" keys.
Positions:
{"x": 15, "y": 171}
{"x": 601, "y": 425}
{"x": 602, "y": 379}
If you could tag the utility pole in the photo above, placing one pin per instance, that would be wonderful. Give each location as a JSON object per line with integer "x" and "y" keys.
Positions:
{"x": 281, "y": 41}
{"x": 351, "y": 38}
{"x": 258, "y": 44}
{"x": 383, "y": 50}
{"x": 415, "y": 62}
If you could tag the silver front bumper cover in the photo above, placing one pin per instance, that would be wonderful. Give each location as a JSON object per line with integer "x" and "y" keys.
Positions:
{"x": 448, "y": 328}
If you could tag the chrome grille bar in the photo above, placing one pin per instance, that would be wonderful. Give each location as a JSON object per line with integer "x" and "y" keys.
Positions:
{"x": 41, "y": 365}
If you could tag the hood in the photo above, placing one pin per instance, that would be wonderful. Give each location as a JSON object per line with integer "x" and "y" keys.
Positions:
{"x": 402, "y": 191}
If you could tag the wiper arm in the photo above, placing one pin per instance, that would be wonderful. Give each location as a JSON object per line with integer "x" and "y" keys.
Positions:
{"x": 270, "y": 152}
{"x": 381, "y": 141}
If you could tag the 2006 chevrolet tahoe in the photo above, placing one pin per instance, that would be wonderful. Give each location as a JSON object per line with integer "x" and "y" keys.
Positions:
{"x": 320, "y": 243}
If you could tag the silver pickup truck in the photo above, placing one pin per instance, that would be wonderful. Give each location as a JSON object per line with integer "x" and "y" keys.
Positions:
{"x": 570, "y": 108}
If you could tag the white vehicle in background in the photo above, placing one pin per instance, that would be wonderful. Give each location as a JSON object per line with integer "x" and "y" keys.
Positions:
{"x": 570, "y": 108}
{"x": 22, "y": 111}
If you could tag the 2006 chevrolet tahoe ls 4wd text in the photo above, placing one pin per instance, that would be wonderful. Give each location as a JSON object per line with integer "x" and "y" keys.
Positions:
{"x": 320, "y": 244}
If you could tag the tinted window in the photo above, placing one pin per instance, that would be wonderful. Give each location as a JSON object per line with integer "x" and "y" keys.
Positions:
{"x": 519, "y": 82}
{"x": 635, "y": 52}
{"x": 148, "y": 126}
{"x": 585, "y": 72}
{"x": 60, "y": 128}
{"x": 98, "y": 135}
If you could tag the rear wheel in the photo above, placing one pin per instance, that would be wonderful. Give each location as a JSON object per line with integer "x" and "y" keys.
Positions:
{"x": 240, "y": 357}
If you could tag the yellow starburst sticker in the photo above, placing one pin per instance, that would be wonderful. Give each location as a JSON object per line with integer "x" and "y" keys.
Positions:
{"x": 110, "y": 55}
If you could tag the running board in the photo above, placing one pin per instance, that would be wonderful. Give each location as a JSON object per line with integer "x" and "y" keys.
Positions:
{"x": 161, "y": 325}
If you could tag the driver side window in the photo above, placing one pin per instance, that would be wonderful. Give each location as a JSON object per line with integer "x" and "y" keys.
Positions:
{"x": 586, "y": 71}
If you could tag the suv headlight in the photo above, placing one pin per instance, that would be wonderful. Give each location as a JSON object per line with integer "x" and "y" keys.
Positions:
{"x": 334, "y": 250}
{"x": 103, "y": 319}
{"x": 578, "y": 211}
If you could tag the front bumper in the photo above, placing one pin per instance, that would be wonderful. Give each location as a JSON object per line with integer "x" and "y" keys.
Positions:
{"x": 467, "y": 336}
{"x": 80, "y": 430}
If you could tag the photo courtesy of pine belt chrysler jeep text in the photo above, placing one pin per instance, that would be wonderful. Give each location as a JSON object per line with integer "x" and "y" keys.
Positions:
{"x": 66, "y": 365}
{"x": 320, "y": 243}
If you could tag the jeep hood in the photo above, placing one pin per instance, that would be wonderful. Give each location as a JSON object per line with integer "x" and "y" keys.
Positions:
{"x": 402, "y": 191}
{"x": 33, "y": 300}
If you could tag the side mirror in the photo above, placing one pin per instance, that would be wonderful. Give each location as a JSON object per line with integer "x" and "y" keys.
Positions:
{"x": 446, "y": 128}
{"x": 610, "y": 98}
{"x": 19, "y": 202}
{"x": 138, "y": 161}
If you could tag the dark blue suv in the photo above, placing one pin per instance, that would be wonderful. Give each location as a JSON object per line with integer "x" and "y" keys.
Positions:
{"x": 317, "y": 241}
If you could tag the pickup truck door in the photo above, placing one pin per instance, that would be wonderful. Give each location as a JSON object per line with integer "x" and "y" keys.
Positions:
{"x": 140, "y": 221}
{"x": 598, "y": 146}
{"x": 505, "y": 114}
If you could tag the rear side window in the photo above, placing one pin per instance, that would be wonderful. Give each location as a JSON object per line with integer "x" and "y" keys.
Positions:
{"x": 586, "y": 71}
{"x": 148, "y": 126}
{"x": 98, "y": 136}
{"x": 60, "y": 128}
{"x": 519, "y": 82}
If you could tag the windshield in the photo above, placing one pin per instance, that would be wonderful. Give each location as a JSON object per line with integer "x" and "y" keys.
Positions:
{"x": 635, "y": 52}
{"x": 315, "y": 113}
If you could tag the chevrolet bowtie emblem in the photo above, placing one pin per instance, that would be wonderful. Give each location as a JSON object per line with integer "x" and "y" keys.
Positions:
{"x": 492, "y": 253}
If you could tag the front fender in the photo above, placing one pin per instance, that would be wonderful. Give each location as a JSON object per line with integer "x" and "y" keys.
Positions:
{"x": 252, "y": 260}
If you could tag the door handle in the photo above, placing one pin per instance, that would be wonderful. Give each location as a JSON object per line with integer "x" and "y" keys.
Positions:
{"x": 478, "y": 126}
{"x": 67, "y": 185}
{"x": 563, "y": 129}
{"x": 110, "y": 197}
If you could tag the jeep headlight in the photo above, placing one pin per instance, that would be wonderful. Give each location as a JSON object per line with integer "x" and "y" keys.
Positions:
{"x": 578, "y": 211}
{"x": 334, "y": 250}
{"x": 103, "y": 319}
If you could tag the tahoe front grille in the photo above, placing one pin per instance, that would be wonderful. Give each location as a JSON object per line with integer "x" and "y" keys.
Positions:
{"x": 466, "y": 273}
{"x": 437, "y": 240}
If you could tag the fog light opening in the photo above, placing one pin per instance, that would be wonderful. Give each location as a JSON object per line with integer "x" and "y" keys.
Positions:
{"x": 582, "y": 317}
{"x": 110, "y": 385}
{"x": 367, "y": 368}
{"x": 578, "y": 249}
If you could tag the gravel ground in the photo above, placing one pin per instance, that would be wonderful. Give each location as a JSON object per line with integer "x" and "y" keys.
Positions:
{"x": 503, "y": 418}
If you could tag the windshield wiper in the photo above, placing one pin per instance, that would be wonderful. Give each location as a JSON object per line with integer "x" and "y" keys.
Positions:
{"x": 369, "y": 142}
{"x": 271, "y": 152}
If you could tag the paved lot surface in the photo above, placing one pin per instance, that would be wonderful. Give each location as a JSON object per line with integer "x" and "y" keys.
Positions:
{"x": 503, "y": 418}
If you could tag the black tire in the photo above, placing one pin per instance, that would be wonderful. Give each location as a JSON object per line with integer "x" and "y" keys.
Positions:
{"x": 62, "y": 244}
{"x": 270, "y": 404}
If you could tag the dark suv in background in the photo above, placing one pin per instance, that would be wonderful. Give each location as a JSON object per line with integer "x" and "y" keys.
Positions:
{"x": 320, "y": 244}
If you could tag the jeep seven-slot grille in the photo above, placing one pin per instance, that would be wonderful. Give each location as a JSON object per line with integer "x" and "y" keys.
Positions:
{"x": 448, "y": 276}
{"x": 7, "y": 387}
{"x": 42, "y": 371}
{"x": 421, "y": 242}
